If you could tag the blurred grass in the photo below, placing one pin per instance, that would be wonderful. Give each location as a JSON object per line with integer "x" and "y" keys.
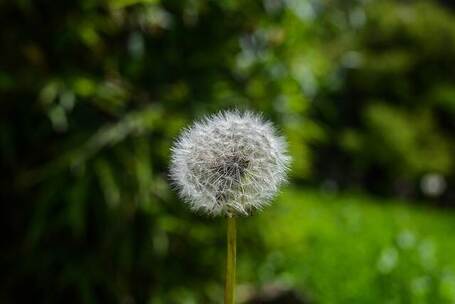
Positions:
{"x": 354, "y": 249}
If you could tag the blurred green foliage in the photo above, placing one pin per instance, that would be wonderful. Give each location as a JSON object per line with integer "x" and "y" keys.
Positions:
{"x": 354, "y": 249}
{"x": 93, "y": 93}
{"x": 390, "y": 119}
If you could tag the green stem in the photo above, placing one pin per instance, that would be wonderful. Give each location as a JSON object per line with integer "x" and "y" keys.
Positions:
{"x": 229, "y": 287}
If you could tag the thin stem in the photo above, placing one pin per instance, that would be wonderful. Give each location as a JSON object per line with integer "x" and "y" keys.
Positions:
{"x": 229, "y": 287}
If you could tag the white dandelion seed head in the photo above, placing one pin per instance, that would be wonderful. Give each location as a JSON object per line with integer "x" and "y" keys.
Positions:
{"x": 230, "y": 163}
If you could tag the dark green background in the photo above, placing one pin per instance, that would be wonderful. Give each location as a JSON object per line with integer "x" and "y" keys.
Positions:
{"x": 93, "y": 93}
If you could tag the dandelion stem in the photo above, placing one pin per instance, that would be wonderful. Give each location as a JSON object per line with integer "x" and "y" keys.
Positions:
{"x": 229, "y": 287}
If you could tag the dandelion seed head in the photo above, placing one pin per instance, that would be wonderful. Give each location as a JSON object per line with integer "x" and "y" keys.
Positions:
{"x": 230, "y": 163}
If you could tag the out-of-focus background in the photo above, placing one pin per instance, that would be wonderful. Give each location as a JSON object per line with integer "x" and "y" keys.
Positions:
{"x": 94, "y": 92}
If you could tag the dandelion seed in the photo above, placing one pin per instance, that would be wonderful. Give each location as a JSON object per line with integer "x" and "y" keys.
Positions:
{"x": 230, "y": 163}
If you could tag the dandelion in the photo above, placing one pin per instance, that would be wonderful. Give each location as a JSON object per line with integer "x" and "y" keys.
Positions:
{"x": 229, "y": 164}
